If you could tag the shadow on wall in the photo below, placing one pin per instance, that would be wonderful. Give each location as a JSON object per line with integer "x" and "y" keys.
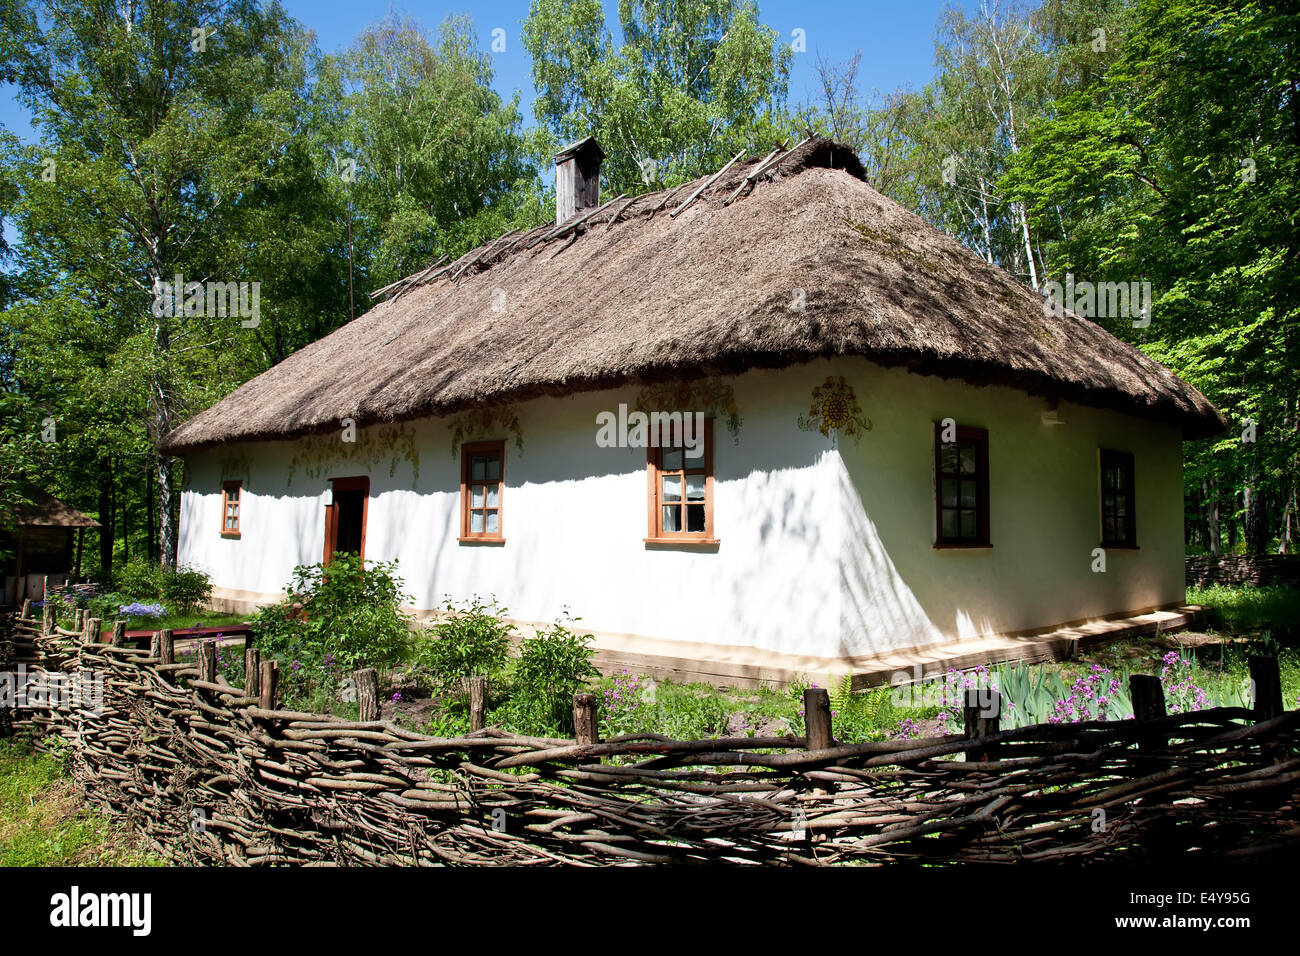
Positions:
{"x": 879, "y": 613}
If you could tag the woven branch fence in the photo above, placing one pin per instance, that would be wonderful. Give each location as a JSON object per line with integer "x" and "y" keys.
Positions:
{"x": 210, "y": 773}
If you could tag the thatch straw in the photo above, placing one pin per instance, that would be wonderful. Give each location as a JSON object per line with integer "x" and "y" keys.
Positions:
{"x": 650, "y": 298}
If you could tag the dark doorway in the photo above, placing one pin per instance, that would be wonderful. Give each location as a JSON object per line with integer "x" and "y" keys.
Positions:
{"x": 345, "y": 519}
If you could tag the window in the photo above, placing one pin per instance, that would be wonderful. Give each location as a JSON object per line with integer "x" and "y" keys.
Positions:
{"x": 230, "y": 491}
{"x": 482, "y": 480}
{"x": 961, "y": 469}
{"x": 1118, "y": 524}
{"x": 681, "y": 489}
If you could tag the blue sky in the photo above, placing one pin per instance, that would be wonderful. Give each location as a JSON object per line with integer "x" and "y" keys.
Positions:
{"x": 896, "y": 39}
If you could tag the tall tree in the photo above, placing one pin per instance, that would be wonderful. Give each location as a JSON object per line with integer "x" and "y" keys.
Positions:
{"x": 691, "y": 83}
{"x": 156, "y": 121}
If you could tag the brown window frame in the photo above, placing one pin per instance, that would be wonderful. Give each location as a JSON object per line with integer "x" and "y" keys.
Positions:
{"x": 226, "y": 486}
{"x": 654, "y": 472}
{"x": 467, "y": 453}
{"x": 965, "y": 434}
{"x": 1109, "y": 457}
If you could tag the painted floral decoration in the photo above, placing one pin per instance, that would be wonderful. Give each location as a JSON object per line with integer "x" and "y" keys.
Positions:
{"x": 482, "y": 423}
{"x": 317, "y": 453}
{"x": 712, "y": 396}
{"x": 835, "y": 411}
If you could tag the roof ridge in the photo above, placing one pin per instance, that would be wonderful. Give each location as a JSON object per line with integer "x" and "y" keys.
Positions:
{"x": 764, "y": 169}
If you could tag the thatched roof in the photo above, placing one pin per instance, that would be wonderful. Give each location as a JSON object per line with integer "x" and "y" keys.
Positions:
{"x": 633, "y": 293}
{"x": 46, "y": 511}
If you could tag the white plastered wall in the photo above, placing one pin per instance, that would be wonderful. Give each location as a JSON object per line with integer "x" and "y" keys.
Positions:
{"x": 825, "y": 551}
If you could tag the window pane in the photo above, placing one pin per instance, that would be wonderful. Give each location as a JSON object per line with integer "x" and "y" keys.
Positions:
{"x": 695, "y": 517}
{"x": 494, "y": 468}
{"x": 949, "y": 493}
{"x": 493, "y": 522}
{"x": 672, "y": 518}
{"x": 477, "y": 468}
{"x": 1109, "y": 483}
{"x": 476, "y": 522}
{"x": 476, "y": 496}
{"x": 948, "y": 459}
{"x": 1121, "y": 506}
{"x": 1108, "y": 528}
{"x": 969, "y": 526}
{"x": 672, "y": 488}
{"x": 672, "y": 459}
{"x": 694, "y": 487}
{"x": 493, "y": 492}
{"x": 949, "y": 524}
{"x": 968, "y": 493}
{"x": 967, "y": 459}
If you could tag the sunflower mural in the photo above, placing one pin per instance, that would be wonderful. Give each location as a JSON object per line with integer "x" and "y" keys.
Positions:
{"x": 712, "y": 396}
{"x": 835, "y": 411}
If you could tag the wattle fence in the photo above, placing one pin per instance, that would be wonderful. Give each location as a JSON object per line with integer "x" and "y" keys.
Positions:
{"x": 215, "y": 774}
{"x": 1238, "y": 570}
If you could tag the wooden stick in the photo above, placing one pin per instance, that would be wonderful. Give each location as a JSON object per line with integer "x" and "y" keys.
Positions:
{"x": 711, "y": 180}
{"x": 982, "y": 713}
{"x": 93, "y": 626}
{"x": 119, "y": 633}
{"x": 477, "y": 703}
{"x": 367, "y": 680}
{"x": 817, "y": 718}
{"x": 207, "y": 660}
{"x": 26, "y": 612}
{"x": 252, "y": 672}
{"x": 270, "y": 678}
{"x": 166, "y": 647}
{"x": 586, "y": 722}
{"x": 1266, "y": 685}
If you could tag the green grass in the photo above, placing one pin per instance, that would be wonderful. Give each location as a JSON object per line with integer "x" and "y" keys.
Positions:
{"x": 44, "y": 820}
{"x": 1251, "y": 611}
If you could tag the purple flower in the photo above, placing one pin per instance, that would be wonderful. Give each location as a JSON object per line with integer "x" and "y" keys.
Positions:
{"x": 397, "y": 697}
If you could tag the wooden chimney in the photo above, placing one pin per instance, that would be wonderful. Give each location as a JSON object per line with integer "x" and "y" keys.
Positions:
{"x": 577, "y": 178}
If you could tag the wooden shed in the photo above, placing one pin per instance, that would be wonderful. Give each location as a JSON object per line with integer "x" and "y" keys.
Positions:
{"x": 45, "y": 541}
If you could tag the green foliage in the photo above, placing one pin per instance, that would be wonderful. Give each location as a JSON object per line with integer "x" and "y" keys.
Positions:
{"x": 685, "y": 87}
{"x": 336, "y": 617}
{"x": 1250, "y": 610}
{"x": 552, "y": 666}
{"x": 469, "y": 640}
{"x": 182, "y": 589}
{"x": 44, "y": 821}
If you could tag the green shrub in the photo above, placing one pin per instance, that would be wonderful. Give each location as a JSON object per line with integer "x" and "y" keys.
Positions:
{"x": 334, "y": 619}
{"x": 553, "y": 665}
{"x": 470, "y": 640}
{"x": 181, "y": 589}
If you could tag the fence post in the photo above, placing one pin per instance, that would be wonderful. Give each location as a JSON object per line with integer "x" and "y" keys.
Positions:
{"x": 252, "y": 672}
{"x": 206, "y": 655}
{"x": 477, "y": 703}
{"x": 367, "y": 694}
{"x": 586, "y": 721}
{"x": 1148, "y": 696}
{"x": 270, "y": 677}
{"x": 983, "y": 716}
{"x": 79, "y": 619}
{"x": 166, "y": 647}
{"x": 817, "y": 718}
{"x": 93, "y": 624}
{"x": 47, "y": 618}
{"x": 119, "y": 633}
{"x": 27, "y": 609}
{"x": 1266, "y": 683}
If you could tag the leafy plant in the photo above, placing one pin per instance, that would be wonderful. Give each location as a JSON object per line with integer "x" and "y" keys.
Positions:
{"x": 334, "y": 619}
{"x": 552, "y": 666}
{"x": 469, "y": 640}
